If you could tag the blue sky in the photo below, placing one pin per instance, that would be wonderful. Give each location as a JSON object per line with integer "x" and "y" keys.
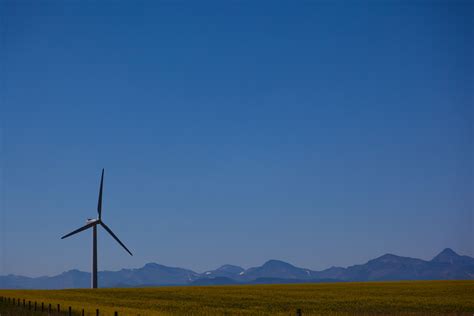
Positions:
{"x": 313, "y": 132}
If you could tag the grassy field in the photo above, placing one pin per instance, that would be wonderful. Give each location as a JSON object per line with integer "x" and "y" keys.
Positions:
{"x": 369, "y": 298}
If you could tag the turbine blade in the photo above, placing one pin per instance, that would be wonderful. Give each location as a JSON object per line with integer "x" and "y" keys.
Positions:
{"x": 115, "y": 237}
{"x": 80, "y": 229}
{"x": 99, "y": 204}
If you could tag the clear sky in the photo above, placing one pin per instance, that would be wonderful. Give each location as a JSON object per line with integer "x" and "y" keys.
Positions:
{"x": 316, "y": 133}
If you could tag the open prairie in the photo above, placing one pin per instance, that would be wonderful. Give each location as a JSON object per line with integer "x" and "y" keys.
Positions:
{"x": 369, "y": 298}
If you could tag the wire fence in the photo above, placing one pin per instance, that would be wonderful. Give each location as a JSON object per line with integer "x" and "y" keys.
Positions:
{"x": 11, "y": 306}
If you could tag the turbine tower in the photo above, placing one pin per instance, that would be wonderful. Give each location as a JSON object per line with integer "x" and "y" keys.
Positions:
{"x": 94, "y": 223}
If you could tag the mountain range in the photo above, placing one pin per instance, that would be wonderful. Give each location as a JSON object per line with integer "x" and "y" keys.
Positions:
{"x": 447, "y": 265}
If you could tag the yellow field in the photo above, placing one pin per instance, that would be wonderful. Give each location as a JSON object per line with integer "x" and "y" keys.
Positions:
{"x": 414, "y": 298}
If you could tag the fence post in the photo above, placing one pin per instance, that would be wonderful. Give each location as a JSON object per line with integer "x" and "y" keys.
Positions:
{"x": 83, "y": 312}
{"x": 29, "y": 304}
{"x": 97, "y": 312}
{"x": 18, "y": 300}
{"x": 70, "y": 312}
{"x": 59, "y": 309}
{"x": 23, "y": 302}
{"x": 298, "y": 312}
{"x": 115, "y": 314}
{"x": 49, "y": 308}
{"x": 42, "y": 306}
{"x": 35, "y": 306}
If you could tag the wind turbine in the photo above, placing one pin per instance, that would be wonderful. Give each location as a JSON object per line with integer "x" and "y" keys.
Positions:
{"x": 94, "y": 223}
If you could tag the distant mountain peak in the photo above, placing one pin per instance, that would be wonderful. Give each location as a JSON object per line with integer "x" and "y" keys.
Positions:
{"x": 274, "y": 262}
{"x": 230, "y": 268}
{"x": 276, "y": 269}
{"x": 389, "y": 256}
{"x": 448, "y": 251}
{"x": 448, "y": 255}
{"x": 227, "y": 271}
{"x": 394, "y": 259}
{"x": 151, "y": 265}
{"x": 386, "y": 258}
